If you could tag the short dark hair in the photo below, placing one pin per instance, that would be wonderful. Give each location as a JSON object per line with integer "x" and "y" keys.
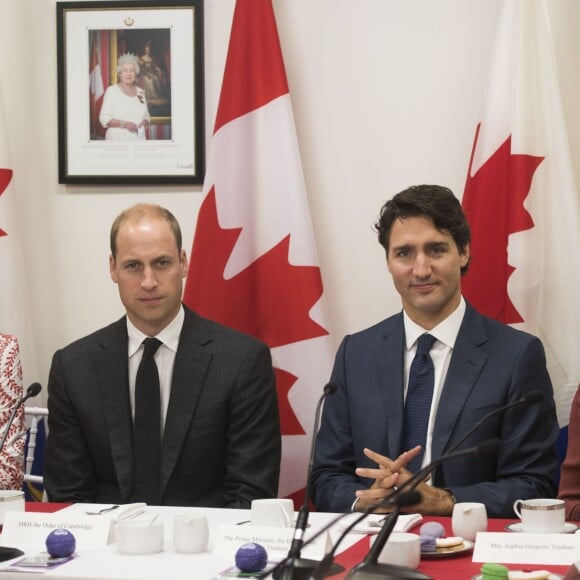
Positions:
{"x": 139, "y": 212}
{"x": 433, "y": 201}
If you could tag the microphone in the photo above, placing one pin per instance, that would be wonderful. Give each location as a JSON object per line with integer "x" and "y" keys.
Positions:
{"x": 404, "y": 495}
{"x": 294, "y": 566}
{"x": 7, "y": 553}
{"x": 32, "y": 391}
{"x": 530, "y": 398}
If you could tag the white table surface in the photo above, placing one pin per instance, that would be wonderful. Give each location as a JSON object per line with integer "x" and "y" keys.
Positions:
{"x": 108, "y": 564}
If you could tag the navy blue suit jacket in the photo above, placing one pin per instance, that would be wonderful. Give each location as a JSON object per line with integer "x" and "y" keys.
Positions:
{"x": 491, "y": 365}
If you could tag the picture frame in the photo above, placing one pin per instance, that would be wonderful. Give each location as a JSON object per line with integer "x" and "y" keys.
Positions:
{"x": 130, "y": 92}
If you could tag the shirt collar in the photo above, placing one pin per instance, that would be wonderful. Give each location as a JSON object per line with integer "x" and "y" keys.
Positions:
{"x": 446, "y": 331}
{"x": 169, "y": 336}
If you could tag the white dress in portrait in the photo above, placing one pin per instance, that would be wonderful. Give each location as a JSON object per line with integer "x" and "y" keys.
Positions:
{"x": 118, "y": 105}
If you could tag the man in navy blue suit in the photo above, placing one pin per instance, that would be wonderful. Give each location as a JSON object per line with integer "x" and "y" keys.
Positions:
{"x": 478, "y": 365}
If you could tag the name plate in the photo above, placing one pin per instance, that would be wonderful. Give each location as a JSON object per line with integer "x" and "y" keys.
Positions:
{"x": 522, "y": 548}
{"x": 275, "y": 540}
{"x": 90, "y": 532}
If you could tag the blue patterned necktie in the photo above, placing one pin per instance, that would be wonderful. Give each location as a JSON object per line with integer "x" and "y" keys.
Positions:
{"x": 418, "y": 402}
{"x": 147, "y": 428}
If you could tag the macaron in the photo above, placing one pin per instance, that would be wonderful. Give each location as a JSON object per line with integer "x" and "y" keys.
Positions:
{"x": 433, "y": 529}
{"x": 428, "y": 544}
{"x": 494, "y": 572}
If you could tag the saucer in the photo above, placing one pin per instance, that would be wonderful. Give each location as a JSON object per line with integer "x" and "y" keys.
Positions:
{"x": 467, "y": 547}
{"x": 569, "y": 528}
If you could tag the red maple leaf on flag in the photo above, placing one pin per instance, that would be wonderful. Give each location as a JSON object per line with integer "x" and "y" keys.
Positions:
{"x": 289, "y": 424}
{"x": 270, "y": 299}
{"x": 493, "y": 201}
{"x": 5, "y": 177}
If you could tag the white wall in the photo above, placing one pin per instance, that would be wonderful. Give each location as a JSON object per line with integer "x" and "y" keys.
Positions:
{"x": 386, "y": 94}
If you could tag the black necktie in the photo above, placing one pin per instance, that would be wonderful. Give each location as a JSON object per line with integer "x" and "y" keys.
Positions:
{"x": 147, "y": 428}
{"x": 418, "y": 402}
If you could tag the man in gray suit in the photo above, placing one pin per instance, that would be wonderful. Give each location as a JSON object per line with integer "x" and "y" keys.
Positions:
{"x": 478, "y": 365}
{"x": 219, "y": 441}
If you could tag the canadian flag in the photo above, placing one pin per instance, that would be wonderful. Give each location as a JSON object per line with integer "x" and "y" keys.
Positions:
{"x": 254, "y": 265}
{"x": 96, "y": 90}
{"x": 522, "y": 202}
{"x": 15, "y": 314}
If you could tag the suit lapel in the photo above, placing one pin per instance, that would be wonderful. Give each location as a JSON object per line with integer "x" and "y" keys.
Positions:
{"x": 112, "y": 372}
{"x": 391, "y": 377}
{"x": 467, "y": 362}
{"x": 191, "y": 365}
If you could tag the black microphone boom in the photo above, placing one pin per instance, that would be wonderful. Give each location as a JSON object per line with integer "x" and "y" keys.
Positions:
{"x": 32, "y": 391}
{"x": 7, "y": 553}
{"x": 400, "y": 497}
{"x": 530, "y": 398}
{"x": 295, "y": 567}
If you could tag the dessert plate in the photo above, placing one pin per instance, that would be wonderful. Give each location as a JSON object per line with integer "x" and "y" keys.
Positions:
{"x": 467, "y": 547}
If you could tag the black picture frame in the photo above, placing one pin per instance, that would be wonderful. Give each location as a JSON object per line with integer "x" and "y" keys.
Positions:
{"x": 164, "y": 42}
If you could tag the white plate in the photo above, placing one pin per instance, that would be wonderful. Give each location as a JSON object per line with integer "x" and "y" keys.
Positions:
{"x": 467, "y": 547}
{"x": 569, "y": 528}
{"x": 550, "y": 577}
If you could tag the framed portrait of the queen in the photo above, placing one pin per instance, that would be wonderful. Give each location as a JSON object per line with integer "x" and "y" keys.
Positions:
{"x": 130, "y": 80}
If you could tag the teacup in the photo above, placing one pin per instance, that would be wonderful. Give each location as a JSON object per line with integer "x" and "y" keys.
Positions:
{"x": 401, "y": 549}
{"x": 467, "y": 519}
{"x": 10, "y": 500}
{"x": 190, "y": 533}
{"x": 275, "y": 512}
{"x": 541, "y": 515}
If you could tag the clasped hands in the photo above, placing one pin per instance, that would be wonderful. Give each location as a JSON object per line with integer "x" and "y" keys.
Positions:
{"x": 390, "y": 474}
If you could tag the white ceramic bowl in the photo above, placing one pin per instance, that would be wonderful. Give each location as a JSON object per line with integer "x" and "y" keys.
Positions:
{"x": 139, "y": 537}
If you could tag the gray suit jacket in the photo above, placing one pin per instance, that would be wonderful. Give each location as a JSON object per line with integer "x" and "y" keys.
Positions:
{"x": 221, "y": 445}
{"x": 491, "y": 365}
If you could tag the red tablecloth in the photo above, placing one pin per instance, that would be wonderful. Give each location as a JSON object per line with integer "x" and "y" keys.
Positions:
{"x": 44, "y": 506}
{"x": 457, "y": 567}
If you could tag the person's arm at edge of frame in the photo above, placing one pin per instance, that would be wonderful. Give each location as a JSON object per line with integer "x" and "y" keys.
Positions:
{"x": 570, "y": 473}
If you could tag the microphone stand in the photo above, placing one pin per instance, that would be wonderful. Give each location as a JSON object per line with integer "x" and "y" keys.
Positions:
{"x": 294, "y": 567}
{"x": 404, "y": 499}
{"x": 370, "y": 569}
{"x": 7, "y": 553}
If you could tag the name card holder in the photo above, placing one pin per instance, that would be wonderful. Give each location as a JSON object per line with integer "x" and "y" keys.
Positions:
{"x": 275, "y": 540}
{"x": 90, "y": 532}
{"x": 522, "y": 548}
